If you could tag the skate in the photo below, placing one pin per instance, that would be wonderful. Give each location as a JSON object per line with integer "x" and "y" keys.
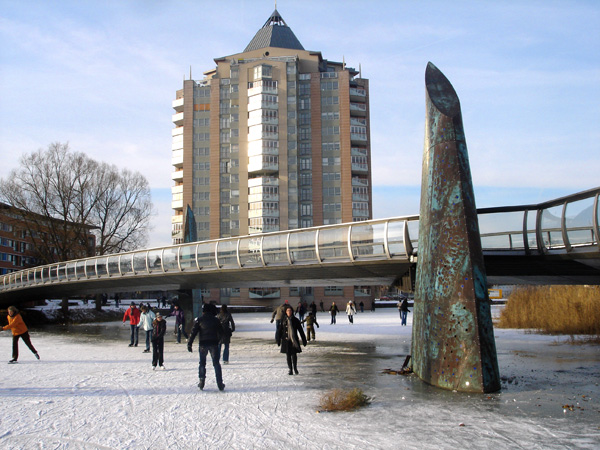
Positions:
{"x": 13, "y": 361}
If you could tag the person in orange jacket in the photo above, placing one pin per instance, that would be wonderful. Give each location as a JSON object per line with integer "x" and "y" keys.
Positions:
{"x": 133, "y": 314}
{"x": 19, "y": 330}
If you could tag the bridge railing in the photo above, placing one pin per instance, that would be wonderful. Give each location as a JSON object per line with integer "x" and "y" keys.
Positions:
{"x": 568, "y": 224}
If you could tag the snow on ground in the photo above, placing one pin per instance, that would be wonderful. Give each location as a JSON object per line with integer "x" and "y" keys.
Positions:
{"x": 91, "y": 391}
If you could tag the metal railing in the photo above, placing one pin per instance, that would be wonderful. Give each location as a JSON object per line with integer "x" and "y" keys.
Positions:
{"x": 532, "y": 229}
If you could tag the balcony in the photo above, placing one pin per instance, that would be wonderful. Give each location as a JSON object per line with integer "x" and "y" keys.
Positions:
{"x": 263, "y": 120}
{"x": 178, "y": 105}
{"x": 358, "y": 151}
{"x": 360, "y": 167}
{"x": 177, "y": 119}
{"x": 177, "y": 175}
{"x": 262, "y": 90}
{"x": 258, "y": 164}
{"x": 177, "y": 219}
{"x": 356, "y": 181}
{"x": 177, "y": 204}
{"x": 177, "y": 158}
{"x": 360, "y": 213}
{"x": 358, "y": 94}
{"x": 358, "y": 109}
{"x": 360, "y": 197}
{"x": 254, "y": 213}
{"x": 358, "y": 138}
{"x": 177, "y": 131}
{"x": 264, "y": 197}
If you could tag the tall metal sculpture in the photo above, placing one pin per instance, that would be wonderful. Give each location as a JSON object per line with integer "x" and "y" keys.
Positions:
{"x": 453, "y": 340}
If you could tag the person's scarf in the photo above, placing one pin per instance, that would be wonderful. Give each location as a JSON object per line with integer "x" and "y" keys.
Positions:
{"x": 292, "y": 334}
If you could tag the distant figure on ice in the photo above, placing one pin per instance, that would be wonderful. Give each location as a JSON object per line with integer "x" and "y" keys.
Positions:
{"x": 333, "y": 310}
{"x": 362, "y": 306}
{"x": 179, "y": 322}
{"x": 403, "y": 308}
{"x": 350, "y": 310}
{"x": 133, "y": 314}
{"x": 209, "y": 331}
{"x": 322, "y": 306}
{"x": 159, "y": 329}
{"x": 372, "y": 305}
{"x": 19, "y": 330}
{"x": 278, "y": 314}
{"x": 311, "y": 321}
{"x": 313, "y": 308}
{"x": 146, "y": 319}
{"x": 287, "y": 339}
{"x": 228, "y": 326}
{"x": 300, "y": 310}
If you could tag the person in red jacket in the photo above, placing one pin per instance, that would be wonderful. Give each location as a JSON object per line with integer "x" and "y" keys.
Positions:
{"x": 133, "y": 314}
{"x": 19, "y": 330}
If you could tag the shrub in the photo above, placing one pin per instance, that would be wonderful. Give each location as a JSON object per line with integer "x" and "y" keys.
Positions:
{"x": 554, "y": 309}
{"x": 344, "y": 400}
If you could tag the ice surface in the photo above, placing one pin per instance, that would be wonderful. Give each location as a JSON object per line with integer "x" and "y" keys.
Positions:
{"x": 91, "y": 391}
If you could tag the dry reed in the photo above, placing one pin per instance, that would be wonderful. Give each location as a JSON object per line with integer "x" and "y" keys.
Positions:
{"x": 567, "y": 310}
{"x": 344, "y": 400}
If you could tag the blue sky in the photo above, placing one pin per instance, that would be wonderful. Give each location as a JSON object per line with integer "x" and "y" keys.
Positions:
{"x": 102, "y": 75}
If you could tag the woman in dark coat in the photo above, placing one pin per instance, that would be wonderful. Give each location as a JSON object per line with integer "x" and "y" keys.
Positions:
{"x": 159, "y": 328}
{"x": 228, "y": 325}
{"x": 288, "y": 340}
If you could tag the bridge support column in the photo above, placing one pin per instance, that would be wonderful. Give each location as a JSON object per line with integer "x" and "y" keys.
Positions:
{"x": 453, "y": 343}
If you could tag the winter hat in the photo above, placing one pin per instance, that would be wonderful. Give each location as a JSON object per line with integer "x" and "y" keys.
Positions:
{"x": 158, "y": 314}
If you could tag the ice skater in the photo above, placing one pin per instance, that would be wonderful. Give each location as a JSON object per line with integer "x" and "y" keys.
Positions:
{"x": 333, "y": 310}
{"x": 403, "y": 308}
{"x": 287, "y": 339}
{"x": 228, "y": 325}
{"x": 159, "y": 329}
{"x": 19, "y": 330}
{"x": 209, "y": 331}
{"x": 133, "y": 314}
{"x": 146, "y": 319}
{"x": 350, "y": 310}
{"x": 311, "y": 321}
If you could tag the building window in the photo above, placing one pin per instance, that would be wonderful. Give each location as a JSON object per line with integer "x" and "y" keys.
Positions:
{"x": 334, "y": 290}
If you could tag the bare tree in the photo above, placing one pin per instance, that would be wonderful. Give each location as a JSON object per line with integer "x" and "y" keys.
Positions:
{"x": 66, "y": 196}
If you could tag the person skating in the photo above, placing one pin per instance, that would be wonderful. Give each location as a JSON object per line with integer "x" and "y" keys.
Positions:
{"x": 209, "y": 331}
{"x": 146, "y": 319}
{"x": 19, "y": 330}
{"x": 278, "y": 314}
{"x": 311, "y": 321}
{"x": 133, "y": 314}
{"x": 333, "y": 310}
{"x": 287, "y": 339}
{"x": 179, "y": 322}
{"x": 403, "y": 308}
{"x": 159, "y": 329}
{"x": 350, "y": 310}
{"x": 228, "y": 325}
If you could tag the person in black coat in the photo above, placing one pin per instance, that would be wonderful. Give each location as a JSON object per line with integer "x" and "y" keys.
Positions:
{"x": 159, "y": 328}
{"x": 228, "y": 328}
{"x": 287, "y": 339}
{"x": 209, "y": 331}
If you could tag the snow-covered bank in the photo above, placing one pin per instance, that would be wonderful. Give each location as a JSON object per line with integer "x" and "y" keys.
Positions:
{"x": 92, "y": 392}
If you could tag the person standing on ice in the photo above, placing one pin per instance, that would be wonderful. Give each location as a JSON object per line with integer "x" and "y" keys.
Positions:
{"x": 133, "y": 314}
{"x": 209, "y": 331}
{"x": 179, "y": 322}
{"x": 228, "y": 328}
{"x": 278, "y": 314}
{"x": 159, "y": 329}
{"x": 311, "y": 321}
{"x": 287, "y": 339}
{"x": 333, "y": 310}
{"x": 350, "y": 310}
{"x": 19, "y": 330}
{"x": 146, "y": 319}
{"x": 403, "y": 308}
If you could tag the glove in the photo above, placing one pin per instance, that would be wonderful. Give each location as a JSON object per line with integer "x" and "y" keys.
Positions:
{"x": 271, "y": 320}
{"x": 190, "y": 348}
{"x": 181, "y": 327}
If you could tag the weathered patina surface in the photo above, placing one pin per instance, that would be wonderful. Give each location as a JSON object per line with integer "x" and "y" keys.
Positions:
{"x": 453, "y": 341}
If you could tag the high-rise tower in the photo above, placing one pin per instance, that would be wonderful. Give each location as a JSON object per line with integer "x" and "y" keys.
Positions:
{"x": 273, "y": 138}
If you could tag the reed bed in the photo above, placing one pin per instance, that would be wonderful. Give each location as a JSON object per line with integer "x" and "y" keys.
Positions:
{"x": 344, "y": 400}
{"x": 570, "y": 310}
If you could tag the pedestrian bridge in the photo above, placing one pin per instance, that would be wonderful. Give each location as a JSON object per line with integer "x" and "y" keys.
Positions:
{"x": 554, "y": 242}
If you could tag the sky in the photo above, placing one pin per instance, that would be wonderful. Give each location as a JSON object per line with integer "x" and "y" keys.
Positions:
{"x": 90, "y": 391}
{"x": 102, "y": 76}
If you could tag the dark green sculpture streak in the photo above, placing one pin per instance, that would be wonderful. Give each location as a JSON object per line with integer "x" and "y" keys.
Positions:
{"x": 453, "y": 340}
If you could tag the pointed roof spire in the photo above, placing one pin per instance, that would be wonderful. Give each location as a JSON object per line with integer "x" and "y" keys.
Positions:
{"x": 274, "y": 33}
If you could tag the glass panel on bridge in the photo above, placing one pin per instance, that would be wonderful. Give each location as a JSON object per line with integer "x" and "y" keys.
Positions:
{"x": 227, "y": 254}
{"x": 113, "y": 265}
{"x": 170, "y": 259}
{"x": 206, "y": 256}
{"x": 551, "y": 228}
{"x": 101, "y": 267}
{"x": 580, "y": 222}
{"x": 333, "y": 243}
{"x": 71, "y": 271}
{"x": 302, "y": 246}
{"x": 501, "y": 231}
{"x": 396, "y": 236}
{"x": 125, "y": 264}
{"x": 80, "y": 269}
{"x": 531, "y": 226}
{"x": 250, "y": 252}
{"x": 61, "y": 273}
{"x": 90, "y": 267}
{"x": 368, "y": 240}
{"x": 275, "y": 250}
{"x": 154, "y": 259}
{"x": 187, "y": 257}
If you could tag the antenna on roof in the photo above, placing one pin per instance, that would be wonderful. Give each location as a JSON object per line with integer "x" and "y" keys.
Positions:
{"x": 343, "y": 62}
{"x": 190, "y": 71}
{"x": 359, "y": 71}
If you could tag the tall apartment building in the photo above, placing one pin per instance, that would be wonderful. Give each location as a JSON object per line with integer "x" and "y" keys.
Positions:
{"x": 273, "y": 138}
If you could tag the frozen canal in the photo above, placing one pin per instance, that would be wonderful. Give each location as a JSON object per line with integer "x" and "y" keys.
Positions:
{"x": 91, "y": 391}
